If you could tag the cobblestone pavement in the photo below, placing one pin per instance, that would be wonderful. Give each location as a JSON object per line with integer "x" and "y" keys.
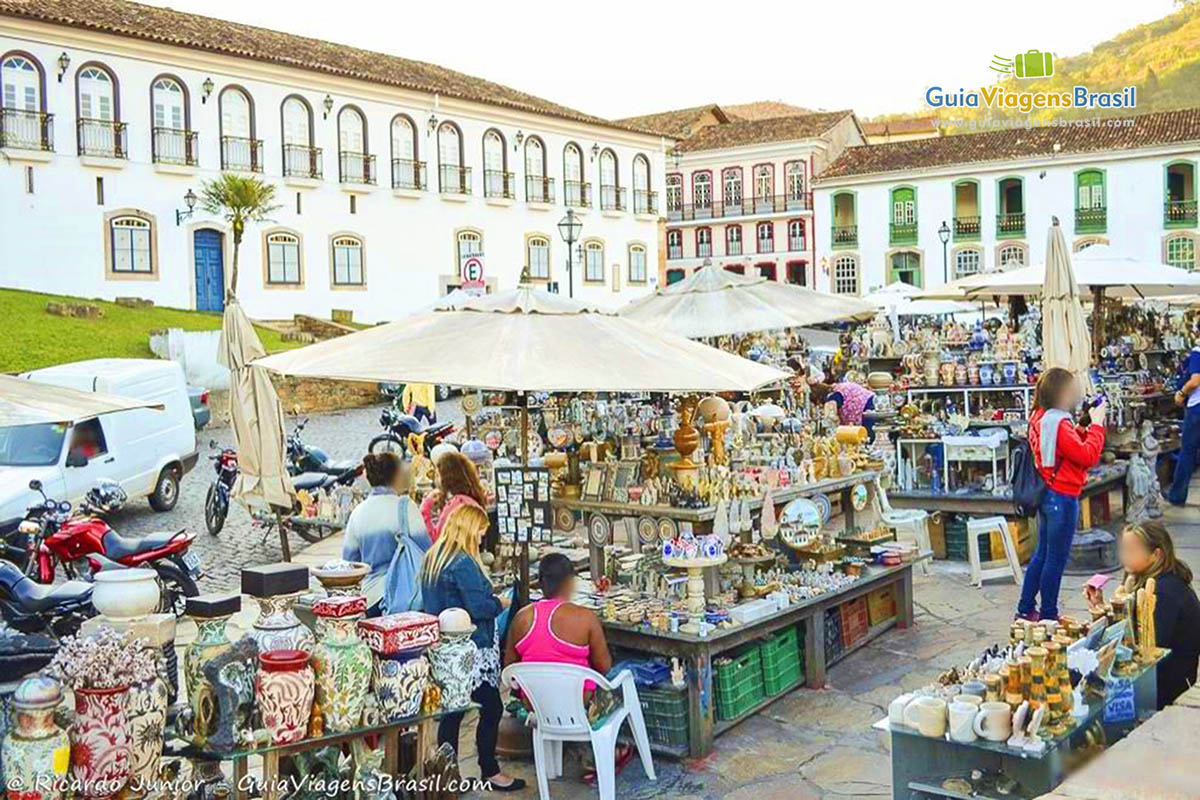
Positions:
{"x": 342, "y": 434}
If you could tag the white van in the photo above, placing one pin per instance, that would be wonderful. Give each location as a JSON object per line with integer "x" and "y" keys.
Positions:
{"x": 147, "y": 451}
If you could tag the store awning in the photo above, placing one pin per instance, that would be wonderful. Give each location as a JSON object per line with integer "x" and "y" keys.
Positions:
{"x": 526, "y": 340}
{"x": 28, "y": 402}
{"x": 715, "y": 302}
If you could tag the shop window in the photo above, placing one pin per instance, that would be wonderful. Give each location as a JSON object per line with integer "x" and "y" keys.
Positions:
{"x": 845, "y": 275}
{"x": 966, "y": 262}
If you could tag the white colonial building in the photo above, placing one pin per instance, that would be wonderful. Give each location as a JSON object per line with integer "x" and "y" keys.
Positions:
{"x": 389, "y": 173}
{"x": 931, "y": 210}
{"x": 738, "y": 190}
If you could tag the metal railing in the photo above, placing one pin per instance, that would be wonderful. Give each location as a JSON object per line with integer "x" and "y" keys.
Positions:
{"x": 26, "y": 130}
{"x": 539, "y": 189}
{"x": 733, "y": 248}
{"x": 645, "y": 201}
{"x": 101, "y": 137}
{"x": 1012, "y": 224}
{"x": 676, "y": 251}
{"x": 742, "y": 207}
{"x": 453, "y": 179}
{"x": 1179, "y": 214}
{"x": 703, "y": 249}
{"x": 612, "y": 198}
{"x": 766, "y": 245}
{"x": 902, "y": 232}
{"x": 241, "y": 154}
{"x": 498, "y": 183}
{"x": 302, "y": 161}
{"x": 844, "y": 235}
{"x": 796, "y": 244}
{"x": 967, "y": 227}
{"x": 577, "y": 194}
{"x": 1091, "y": 220}
{"x": 408, "y": 174}
{"x": 356, "y": 168}
{"x": 174, "y": 146}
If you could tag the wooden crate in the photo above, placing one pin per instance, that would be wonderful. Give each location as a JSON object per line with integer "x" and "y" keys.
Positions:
{"x": 937, "y": 535}
{"x": 881, "y": 605}
{"x": 1021, "y": 532}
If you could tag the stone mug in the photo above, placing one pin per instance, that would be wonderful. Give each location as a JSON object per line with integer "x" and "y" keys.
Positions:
{"x": 927, "y": 715}
{"x": 962, "y": 721}
{"x": 976, "y": 687}
{"x": 971, "y": 699}
{"x": 994, "y": 722}
{"x": 896, "y": 708}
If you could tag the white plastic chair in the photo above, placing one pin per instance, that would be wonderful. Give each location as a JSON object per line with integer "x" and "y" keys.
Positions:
{"x": 908, "y": 523}
{"x": 986, "y": 526}
{"x": 556, "y": 693}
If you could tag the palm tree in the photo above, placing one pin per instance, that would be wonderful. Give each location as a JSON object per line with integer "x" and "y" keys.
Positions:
{"x": 238, "y": 199}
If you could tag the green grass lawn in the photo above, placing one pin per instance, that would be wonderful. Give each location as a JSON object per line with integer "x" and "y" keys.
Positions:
{"x": 35, "y": 339}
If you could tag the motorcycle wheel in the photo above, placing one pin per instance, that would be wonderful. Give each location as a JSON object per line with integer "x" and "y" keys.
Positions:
{"x": 215, "y": 511}
{"x": 387, "y": 443}
{"x": 176, "y": 589}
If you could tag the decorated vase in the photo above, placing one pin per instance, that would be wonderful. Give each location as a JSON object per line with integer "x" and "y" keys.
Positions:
{"x": 285, "y": 686}
{"x": 146, "y": 710}
{"x": 1010, "y": 372}
{"x": 342, "y": 664}
{"x": 451, "y": 662}
{"x": 986, "y": 373}
{"x": 278, "y": 628}
{"x": 212, "y": 640}
{"x": 101, "y": 762}
{"x": 36, "y": 752}
{"x": 400, "y": 682}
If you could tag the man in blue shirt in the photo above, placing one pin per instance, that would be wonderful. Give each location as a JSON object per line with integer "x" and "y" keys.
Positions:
{"x": 1188, "y": 396}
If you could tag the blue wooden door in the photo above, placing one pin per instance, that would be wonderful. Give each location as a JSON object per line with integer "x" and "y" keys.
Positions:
{"x": 210, "y": 270}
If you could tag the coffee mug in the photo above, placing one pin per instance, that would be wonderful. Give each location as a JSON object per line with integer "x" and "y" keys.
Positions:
{"x": 962, "y": 721}
{"x": 927, "y": 715}
{"x": 975, "y": 687}
{"x": 972, "y": 699}
{"x": 896, "y": 708}
{"x": 994, "y": 722}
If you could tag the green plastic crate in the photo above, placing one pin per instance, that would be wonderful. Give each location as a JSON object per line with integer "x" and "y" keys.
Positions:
{"x": 782, "y": 662}
{"x": 666, "y": 714}
{"x": 739, "y": 683}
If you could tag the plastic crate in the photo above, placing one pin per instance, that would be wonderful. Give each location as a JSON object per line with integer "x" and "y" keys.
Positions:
{"x": 739, "y": 683}
{"x": 782, "y": 662}
{"x": 881, "y": 605}
{"x": 855, "y": 621}
{"x": 833, "y": 634}
{"x": 956, "y": 541}
{"x": 666, "y": 713}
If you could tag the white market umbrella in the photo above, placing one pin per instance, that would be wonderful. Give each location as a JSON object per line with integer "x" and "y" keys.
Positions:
{"x": 525, "y": 340}
{"x": 29, "y": 402}
{"x": 716, "y": 302}
{"x": 1064, "y": 331}
{"x": 908, "y": 301}
{"x": 256, "y": 416}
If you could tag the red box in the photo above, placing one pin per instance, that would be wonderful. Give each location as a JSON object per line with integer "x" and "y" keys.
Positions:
{"x": 395, "y": 633}
{"x": 339, "y": 606}
{"x": 855, "y": 621}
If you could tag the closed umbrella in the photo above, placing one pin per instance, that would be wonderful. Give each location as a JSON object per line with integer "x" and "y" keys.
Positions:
{"x": 1064, "y": 331}
{"x": 30, "y": 402}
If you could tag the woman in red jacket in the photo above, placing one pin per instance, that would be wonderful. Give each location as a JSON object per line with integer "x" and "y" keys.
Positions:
{"x": 1063, "y": 453}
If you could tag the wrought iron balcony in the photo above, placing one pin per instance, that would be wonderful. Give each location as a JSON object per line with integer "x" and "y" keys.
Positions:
{"x": 766, "y": 245}
{"x": 844, "y": 235}
{"x": 733, "y": 248}
{"x": 26, "y": 130}
{"x": 453, "y": 179}
{"x": 577, "y": 194}
{"x": 902, "y": 232}
{"x": 356, "y": 168}
{"x": 241, "y": 154}
{"x": 703, "y": 249}
{"x": 741, "y": 207}
{"x": 1010, "y": 225}
{"x": 675, "y": 251}
{"x": 174, "y": 146}
{"x": 539, "y": 189}
{"x": 612, "y": 198}
{"x": 302, "y": 161}
{"x": 1091, "y": 220}
{"x": 967, "y": 228}
{"x": 498, "y": 183}
{"x": 101, "y": 137}
{"x": 645, "y": 202}
{"x": 1179, "y": 214}
{"x": 796, "y": 244}
{"x": 408, "y": 174}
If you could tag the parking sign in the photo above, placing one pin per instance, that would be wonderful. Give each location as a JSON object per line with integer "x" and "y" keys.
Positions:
{"x": 471, "y": 271}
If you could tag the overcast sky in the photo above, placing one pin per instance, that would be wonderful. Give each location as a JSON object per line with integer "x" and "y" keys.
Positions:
{"x": 617, "y": 58}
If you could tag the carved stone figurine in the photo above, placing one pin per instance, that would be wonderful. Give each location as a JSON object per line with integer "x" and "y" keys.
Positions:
{"x": 1150, "y": 450}
{"x": 232, "y": 677}
{"x": 1139, "y": 482}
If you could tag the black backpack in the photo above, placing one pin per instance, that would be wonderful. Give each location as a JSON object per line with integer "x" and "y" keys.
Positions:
{"x": 1028, "y": 486}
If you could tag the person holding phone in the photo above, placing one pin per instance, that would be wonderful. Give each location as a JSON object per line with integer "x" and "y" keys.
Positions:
{"x": 1063, "y": 453}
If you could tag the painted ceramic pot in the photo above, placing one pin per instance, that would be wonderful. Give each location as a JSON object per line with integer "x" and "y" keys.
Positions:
{"x": 212, "y": 640}
{"x": 278, "y": 628}
{"x": 400, "y": 682}
{"x": 285, "y": 686}
{"x": 126, "y": 594}
{"x": 101, "y": 762}
{"x": 1010, "y": 372}
{"x": 986, "y": 374}
{"x": 452, "y": 661}
{"x": 36, "y": 752}
{"x": 146, "y": 711}
{"x": 343, "y": 665}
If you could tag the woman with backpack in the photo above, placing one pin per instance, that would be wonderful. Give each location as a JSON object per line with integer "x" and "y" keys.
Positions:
{"x": 1063, "y": 453}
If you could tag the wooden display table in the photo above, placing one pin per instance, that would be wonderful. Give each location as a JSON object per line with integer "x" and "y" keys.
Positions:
{"x": 987, "y": 503}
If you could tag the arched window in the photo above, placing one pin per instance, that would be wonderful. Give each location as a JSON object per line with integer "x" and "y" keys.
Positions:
{"x": 537, "y": 256}
{"x": 674, "y": 195}
{"x": 496, "y": 181}
{"x": 467, "y": 243}
{"x": 765, "y": 234}
{"x": 796, "y": 239}
{"x": 593, "y": 261}
{"x": 300, "y": 158}
{"x": 407, "y": 171}
{"x": 22, "y": 104}
{"x": 733, "y": 240}
{"x": 643, "y": 197}
{"x": 283, "y": 258}
{"x": 794, "y": 176}
{"x": 131, "y": 239}
{"x": 967, "y": 261}
{"x": 1181, "y": 251}
{"x": 1011, "y": 255}
{"x": 845, "y": 275}
{"x": 355, "y": 164}
{"x": 171, "y": 142}
{"x": 637, "y": 263}
{"x": 703, "y": 242}
{"x": 674, "y": 243}
{"x": 731, "y": 189}
{"x": 453, "y": 177}
{"x": 1091, "y": 213}
{"x": 348, "y": 261}
{"x": 538, "y": 187}
{"x": 905, "y": 267}
{"x": 576, "y": 191}
{"x": 764, "y": 186}
{"x": 702, "y": 193}
{"x": 100, "y": 130}
{"x": 903, "y": 229}
{"x": 239, "y": 149}
{"x": 612, "y": 196}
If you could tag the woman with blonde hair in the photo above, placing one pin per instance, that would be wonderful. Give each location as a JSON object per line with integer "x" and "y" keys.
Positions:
{"x": 452, "y": 576}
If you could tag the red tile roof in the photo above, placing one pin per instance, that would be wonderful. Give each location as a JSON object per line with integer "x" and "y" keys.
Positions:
{"x": 675, "y": 124}
{"x": 761, "y": 131}
{"x": 900, "y": 126}
{"x": 764, "y": 109}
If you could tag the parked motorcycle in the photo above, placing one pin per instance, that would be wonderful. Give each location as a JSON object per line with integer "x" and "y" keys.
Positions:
{"x": 220, "y": 491}
{"x": 31, "y": 607}
{"x": 84, "y": 544}
{"x": 396, "y": 428}
{"x": 306, "y": 458}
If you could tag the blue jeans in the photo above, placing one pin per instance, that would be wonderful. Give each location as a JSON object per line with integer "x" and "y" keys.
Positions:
{"x": 1056, "y": 528}
{"x": 1186, "y": 464}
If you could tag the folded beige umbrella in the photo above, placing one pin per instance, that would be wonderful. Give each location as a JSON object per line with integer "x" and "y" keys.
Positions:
{"x": 256, "y": 416}
{"x": 526, "y": 340}
{"x": 29, "y": 402}
{"x": 1064, "y": 331}
{"x": 716, "y": 302}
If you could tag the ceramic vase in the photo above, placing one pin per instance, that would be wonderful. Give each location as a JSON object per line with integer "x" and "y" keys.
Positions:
{"x": 400, "y": 682}
{"x": 342, "y": 664}
{"x": 285, "y": 686}
{"x": 278, "y": 628}
{"x": 36, "y": 752}
{"x": 452, "y": 661}
{"x": 146, "y": 711}
{"x": 126, "y": 594}
{"x": 101, "y": 762}
{"x": 1010, "y": 373}
{"x": 212, "y": 640}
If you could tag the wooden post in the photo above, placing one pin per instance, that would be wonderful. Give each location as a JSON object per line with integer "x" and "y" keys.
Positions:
{"x": 523, "y": 583}
{"x": 1097, "y": 320}
{"x": 285, "y": 546}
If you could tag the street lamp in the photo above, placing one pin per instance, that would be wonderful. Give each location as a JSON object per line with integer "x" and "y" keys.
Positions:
{"x": 189, "y": 200}
{"x": 944, "y": 235}
{"x": 569, "y": 227}
{"x": 328, "y": 103}
{"x": 207, "y": 86}
{"x": 64, "y": 61}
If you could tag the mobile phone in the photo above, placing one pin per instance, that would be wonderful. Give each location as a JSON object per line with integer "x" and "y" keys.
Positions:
{"x": 1098, "y": 581}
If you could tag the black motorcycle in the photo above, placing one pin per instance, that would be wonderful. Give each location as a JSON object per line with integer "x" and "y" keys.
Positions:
{"x": 396, "y": 428}
{"x": 306, "y": 458}
{"x": 220, "y": 491}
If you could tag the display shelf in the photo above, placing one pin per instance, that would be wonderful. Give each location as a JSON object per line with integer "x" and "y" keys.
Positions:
{"x": 933, "y": 787}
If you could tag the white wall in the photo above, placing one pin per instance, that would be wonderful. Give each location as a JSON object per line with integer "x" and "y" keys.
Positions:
{"x": 52, "y": 239}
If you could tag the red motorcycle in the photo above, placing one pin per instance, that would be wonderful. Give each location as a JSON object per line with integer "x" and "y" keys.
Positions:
{"x": 85, "y": 544}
